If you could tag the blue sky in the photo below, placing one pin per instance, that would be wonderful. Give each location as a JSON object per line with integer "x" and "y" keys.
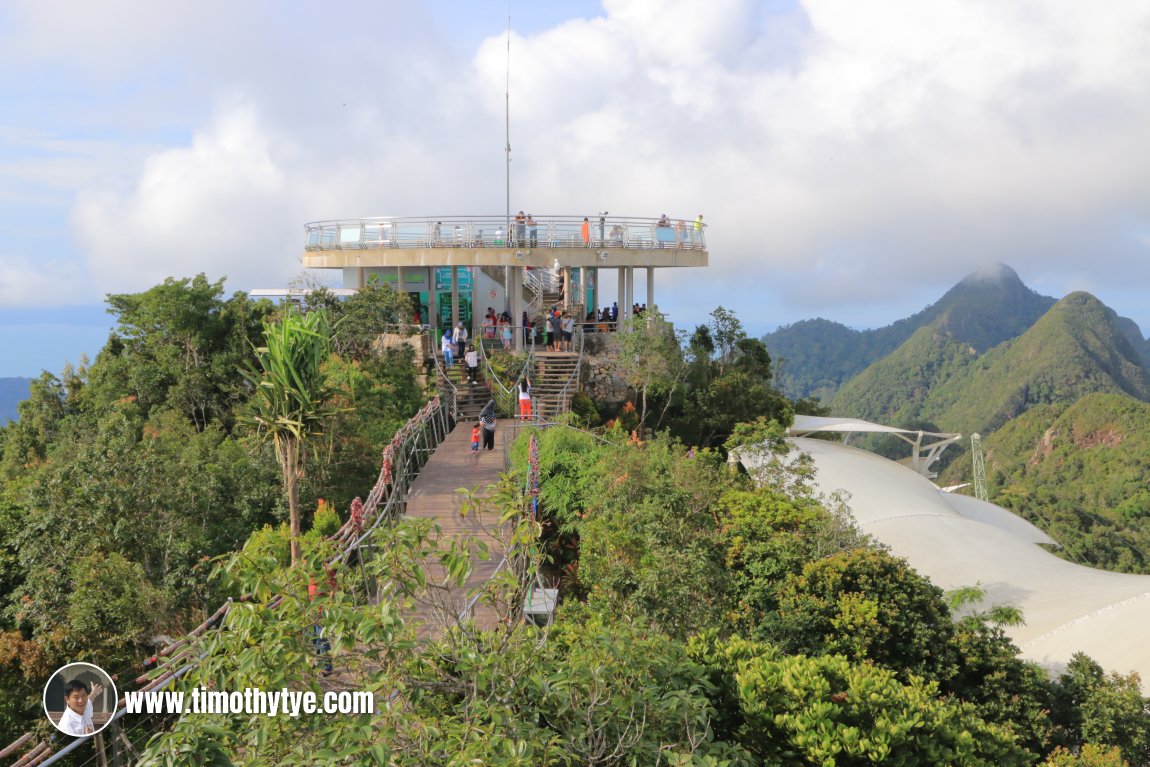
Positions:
{"x": 854, "y": 160}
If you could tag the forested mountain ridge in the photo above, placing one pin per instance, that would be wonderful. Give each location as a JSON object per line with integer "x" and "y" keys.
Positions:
{"x": 1079, "y": 472}
{"x": 936, "y": 379}
{"x": 816, "y": 357}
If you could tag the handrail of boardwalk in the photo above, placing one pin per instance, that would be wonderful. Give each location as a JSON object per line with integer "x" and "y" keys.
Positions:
{"x": 402, "y": 459}
{"x": 449, "y": 390}
{"x": 465, "y": 231}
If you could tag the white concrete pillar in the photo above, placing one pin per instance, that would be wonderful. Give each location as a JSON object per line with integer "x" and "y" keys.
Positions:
{"x": 630, "y": 291}
{"x": 353, "y": 277}
{"x": 515, "y": 296}
{"x": 622, "y": 298}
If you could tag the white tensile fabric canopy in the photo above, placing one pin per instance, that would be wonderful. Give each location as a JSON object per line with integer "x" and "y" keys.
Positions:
{"x": 926, "y": 446}
{"x": 956, "y": 541}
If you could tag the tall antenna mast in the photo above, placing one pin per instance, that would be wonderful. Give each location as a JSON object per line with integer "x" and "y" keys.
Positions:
{"x": 507, "y": 121}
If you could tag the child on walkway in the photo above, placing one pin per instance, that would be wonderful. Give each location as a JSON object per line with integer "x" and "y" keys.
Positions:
{"x": 475, "y": 438}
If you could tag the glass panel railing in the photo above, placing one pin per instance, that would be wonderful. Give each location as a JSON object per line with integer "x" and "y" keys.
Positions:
{"x": 496, "y": 232}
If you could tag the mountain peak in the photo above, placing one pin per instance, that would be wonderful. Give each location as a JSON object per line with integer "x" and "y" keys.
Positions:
{"x": 994, "y": 274}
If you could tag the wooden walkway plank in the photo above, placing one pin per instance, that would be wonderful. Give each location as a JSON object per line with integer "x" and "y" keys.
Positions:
{"x": 436, "y": 495}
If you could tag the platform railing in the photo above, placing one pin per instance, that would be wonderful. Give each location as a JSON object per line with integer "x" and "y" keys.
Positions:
{"x": 497, "y": 232}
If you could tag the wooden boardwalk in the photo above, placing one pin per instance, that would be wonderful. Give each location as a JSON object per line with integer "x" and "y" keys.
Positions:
{"x": 435, "y": 495}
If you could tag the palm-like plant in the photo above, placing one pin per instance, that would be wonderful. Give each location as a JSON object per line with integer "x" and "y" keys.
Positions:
{"x": 291, "y": 401}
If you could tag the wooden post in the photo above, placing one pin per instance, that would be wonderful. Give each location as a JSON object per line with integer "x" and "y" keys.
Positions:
{"x": 98, "y": 744}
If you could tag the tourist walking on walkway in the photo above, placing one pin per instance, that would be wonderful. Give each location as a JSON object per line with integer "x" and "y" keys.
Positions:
{"x": 487, "y": 421}
{"x": 585, "y": 232}
{"x": 460, "y": 339}
{"x": 472, "y": 360}
{"x": 448, "y": 347}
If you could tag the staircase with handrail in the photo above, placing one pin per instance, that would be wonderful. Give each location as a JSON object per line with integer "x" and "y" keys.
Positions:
{"x": 555, "y": 379}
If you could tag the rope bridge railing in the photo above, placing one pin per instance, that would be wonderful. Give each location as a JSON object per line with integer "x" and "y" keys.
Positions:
{"x": 401, "y": 461}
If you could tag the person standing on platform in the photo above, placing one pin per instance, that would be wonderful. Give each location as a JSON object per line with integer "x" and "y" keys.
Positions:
{"x": 521, "y": 229}
{"x": 585, "y": 232}
{"x": 533, "y": 229}
{"x": 487, "y": 421}
{"x": 475, "y": 436}
{"x": 567, "y": 326}
{"x": 556, "y": 323}
{"x": 697, "y": 234}
{"x": 506, "y": 334}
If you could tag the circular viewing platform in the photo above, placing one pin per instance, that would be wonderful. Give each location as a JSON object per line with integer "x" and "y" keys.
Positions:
{"x": 543, "y": 241}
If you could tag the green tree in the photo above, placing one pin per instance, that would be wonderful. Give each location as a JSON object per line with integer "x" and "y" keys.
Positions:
{"x": 826, "y": 710}
{"x": 729, "y": 381}
{"x": 363, "y": 317}
{"x": 1089, "y": 756}
{"x": 177, "y": 345}
{"x": 1104, "y": 709}
{"x": 291, "y": 400}
{"x": 768, "y": 536}
{"x": 650, "y": 357}
{"x": 647, "y": 541}
{"x": 868, "y": 605}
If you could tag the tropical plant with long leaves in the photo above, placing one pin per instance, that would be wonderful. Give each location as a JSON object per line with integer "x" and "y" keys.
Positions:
{"x": 291, "y": 401}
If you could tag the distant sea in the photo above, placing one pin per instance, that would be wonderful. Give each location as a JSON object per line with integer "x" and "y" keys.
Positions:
{"x": 13, "y": 391}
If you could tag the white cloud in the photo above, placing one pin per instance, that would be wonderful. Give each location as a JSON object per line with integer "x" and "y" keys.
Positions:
{"x": 216, "y": 207}
{"x": 26, "y": 284}
{"x": 841, "y": 151}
